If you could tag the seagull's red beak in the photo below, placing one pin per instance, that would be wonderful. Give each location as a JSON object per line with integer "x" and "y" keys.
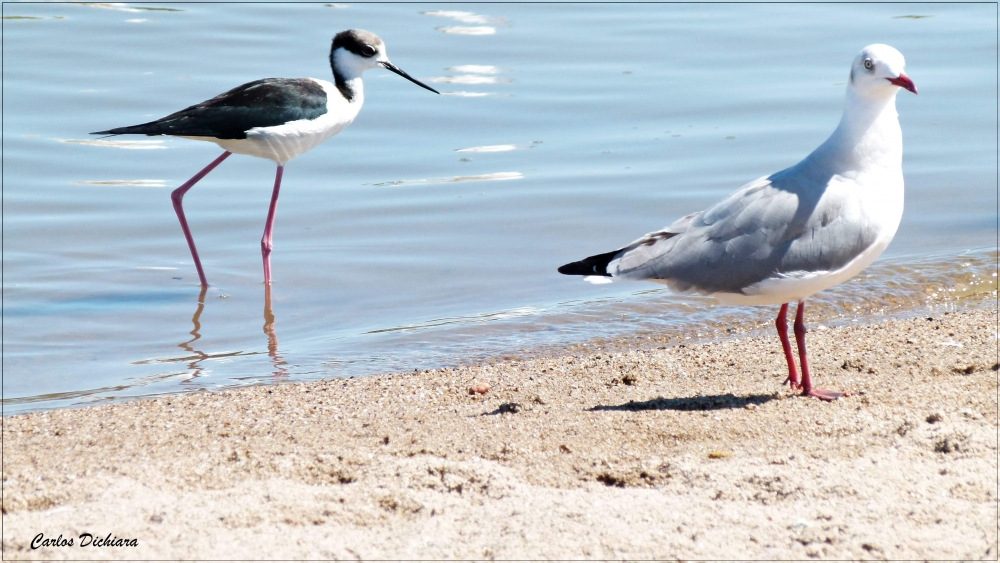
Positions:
{"x": 904, "y": 81}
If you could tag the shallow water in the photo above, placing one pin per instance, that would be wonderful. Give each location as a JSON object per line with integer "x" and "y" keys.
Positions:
{"x": 428, "y": 233}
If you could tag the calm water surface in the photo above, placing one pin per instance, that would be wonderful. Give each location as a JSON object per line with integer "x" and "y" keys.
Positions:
{"x": 428, "y": 233}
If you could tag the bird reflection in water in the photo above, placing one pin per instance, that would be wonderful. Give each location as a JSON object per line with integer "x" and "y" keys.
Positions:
{"x": 272, "y": 338}
{"x": 194, "y": 357}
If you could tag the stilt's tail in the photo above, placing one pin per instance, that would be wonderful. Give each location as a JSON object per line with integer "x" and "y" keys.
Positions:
{"x": 143, "y": 129}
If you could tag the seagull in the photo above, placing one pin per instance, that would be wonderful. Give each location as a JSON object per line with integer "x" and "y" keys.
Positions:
{"x": 276, "y": 119}
{"x": 787, "y": 236}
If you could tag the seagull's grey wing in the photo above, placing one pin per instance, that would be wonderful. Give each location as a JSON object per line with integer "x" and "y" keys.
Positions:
{"x": 778, "y": 226}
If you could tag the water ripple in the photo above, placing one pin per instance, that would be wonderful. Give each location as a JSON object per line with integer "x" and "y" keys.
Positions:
{"x": 116, "y": 144}
{"x": 474, "y": 69}
{"x": 464, "y": 17}
{"x": 470, "y": 79}
{"x": 122, "y": 7}
{"x": 133, "y": 183}
{"x": 468, "y": 30}
{"x": 463, "y": 94}
{"x": 489, "y": 148}
{"x": 473, "y": 178}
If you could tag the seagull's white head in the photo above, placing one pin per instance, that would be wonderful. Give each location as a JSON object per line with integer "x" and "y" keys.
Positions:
{"x": 356, "y": 50}
{"x": 877, "y": 72}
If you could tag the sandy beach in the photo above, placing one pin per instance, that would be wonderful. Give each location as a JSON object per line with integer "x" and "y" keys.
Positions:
{"x": 675, "y": 452}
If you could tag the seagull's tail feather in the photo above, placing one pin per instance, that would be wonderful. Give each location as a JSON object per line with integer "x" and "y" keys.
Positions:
{"x": 593, "y": 266}
{"x": 639, "y": 251}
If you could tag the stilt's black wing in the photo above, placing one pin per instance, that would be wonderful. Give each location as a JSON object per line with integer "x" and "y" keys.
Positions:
{"x": 261, "y": 103}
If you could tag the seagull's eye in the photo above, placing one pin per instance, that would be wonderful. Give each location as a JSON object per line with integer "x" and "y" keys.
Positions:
{"x": 368, "y": 51}
{"x": 869, "y": 64}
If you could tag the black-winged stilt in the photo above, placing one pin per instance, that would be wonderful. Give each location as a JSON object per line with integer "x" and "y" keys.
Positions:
{"x": 275, "y": 118}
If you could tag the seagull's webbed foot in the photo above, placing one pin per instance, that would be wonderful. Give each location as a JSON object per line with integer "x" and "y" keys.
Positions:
{"x": 800, "y": 339}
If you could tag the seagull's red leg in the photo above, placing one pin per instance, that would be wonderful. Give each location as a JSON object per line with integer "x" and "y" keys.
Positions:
{"x": 265, "y": 241}
{"x": 786, "y": 345}
{"x": 800, "y": 340}
{"x": 178, "y": 195}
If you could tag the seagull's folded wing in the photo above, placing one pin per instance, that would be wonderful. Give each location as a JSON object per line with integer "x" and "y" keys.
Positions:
{"x": 773, "y": 227}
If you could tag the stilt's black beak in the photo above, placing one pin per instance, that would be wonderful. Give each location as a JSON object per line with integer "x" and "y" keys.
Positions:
{"x": 391, "y": 67}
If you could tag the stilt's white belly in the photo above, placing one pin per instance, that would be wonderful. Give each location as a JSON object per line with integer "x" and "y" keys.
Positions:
{"x": 282, "y": 143}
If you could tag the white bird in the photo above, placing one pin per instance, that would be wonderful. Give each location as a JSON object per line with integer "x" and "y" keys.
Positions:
{"x": 275, "y": 118}
{"x": 787, "y": 236}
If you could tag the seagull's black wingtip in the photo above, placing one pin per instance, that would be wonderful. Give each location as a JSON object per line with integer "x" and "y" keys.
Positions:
{"x": 593, "y": 266}
{"x": 564, "y": 269}
{"x": 574, "y": 269}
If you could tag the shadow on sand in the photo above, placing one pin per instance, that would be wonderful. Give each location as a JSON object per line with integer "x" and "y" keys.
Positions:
{"x": 703, "y": 403}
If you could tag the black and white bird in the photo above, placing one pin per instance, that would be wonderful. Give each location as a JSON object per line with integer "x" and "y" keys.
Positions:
{"x": 275, "y": 118}
{"x": 787, "y": 236}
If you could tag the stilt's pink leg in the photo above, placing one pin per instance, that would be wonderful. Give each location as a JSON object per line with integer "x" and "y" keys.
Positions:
{"x": 265, "y": 241}
{"x": 786, "y": 345}
{"x": 178, "y": 195}
{"x": 800, "y": 340}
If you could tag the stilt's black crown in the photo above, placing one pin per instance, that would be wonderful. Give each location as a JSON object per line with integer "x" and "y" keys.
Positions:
{"x": 358, "y": 41}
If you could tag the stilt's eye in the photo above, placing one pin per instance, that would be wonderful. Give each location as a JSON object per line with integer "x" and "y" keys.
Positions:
{"x": 869, "y": 64}
{"x": 368, "y": 51}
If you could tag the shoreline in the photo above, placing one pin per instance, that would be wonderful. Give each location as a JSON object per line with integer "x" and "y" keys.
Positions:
{"x": 648, "y": 315}
{"x": 686, "y": 451}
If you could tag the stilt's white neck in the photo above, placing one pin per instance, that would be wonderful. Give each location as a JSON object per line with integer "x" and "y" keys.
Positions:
{"x": 347, "y": 70}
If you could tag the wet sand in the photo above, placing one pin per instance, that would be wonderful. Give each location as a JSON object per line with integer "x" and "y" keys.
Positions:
{"x": 690, "y": 452}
